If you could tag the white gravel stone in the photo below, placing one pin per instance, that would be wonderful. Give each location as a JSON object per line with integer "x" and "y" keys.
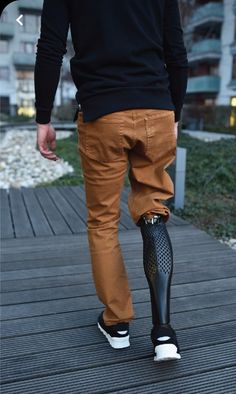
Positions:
{"x": 231, "y": 242}
{"x": 21, "y": 164}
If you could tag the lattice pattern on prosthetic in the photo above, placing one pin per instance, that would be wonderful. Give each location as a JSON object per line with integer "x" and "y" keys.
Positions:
{"x": 157, "y": 248}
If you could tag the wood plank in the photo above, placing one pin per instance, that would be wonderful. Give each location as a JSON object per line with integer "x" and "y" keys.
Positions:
{"x": 20, "y": 215}
{"x": 7, "y": 230}
{"x": 74, "y": 222}
{"x": 135, "y": 251}
{"x": 181, "y": 264}
{"x": 213, "y": 382}
{"x": 66, "y": 279}
{"x": 144, "y": 370}
{"x": 91, "y": 301}
{"x": 41, "y": 248}
{"x": 53, "y": 215}
{"x": 50, "y": 332}
{"x": 77, "y": 204}
{"x": 75, "y": 269}
{"x": 132, "y": 240}
{"x": 43, "y": 217}
{"x": 178, "y": 221}
{"x": 132, "y": 236}
{"x": 66, "y": 360}
{"x": 38, "y": 220}
{"x": 138, "y": 292}
{"x": 50, "y": 310}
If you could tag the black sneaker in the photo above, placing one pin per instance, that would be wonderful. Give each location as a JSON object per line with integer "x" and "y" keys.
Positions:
{"x": 117, "y": 334}
{"x": 165, "y": 343}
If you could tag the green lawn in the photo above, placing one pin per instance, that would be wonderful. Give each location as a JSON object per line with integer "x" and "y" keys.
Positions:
{"x": 210, "y": 201}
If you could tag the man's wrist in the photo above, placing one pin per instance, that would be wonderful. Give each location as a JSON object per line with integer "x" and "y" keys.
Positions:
{"x": 43, "y": 116}
{"x": 43, "y": 124}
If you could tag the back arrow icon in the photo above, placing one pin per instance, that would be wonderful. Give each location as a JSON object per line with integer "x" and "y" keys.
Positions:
{"x": 19, "y": 20}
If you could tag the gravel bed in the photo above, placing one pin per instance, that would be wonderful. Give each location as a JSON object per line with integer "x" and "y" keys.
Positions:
{"x": 21, "y": 164}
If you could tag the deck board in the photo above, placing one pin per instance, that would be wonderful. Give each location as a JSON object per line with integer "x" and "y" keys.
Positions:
{"x": 38, "y": 220}
{"x": 51, "y": 212}
{"x": 50, "y": 340}
{"x": 34, "y": 212}
{"x": 7, "y": 230}
{"x": 21, "y": 220}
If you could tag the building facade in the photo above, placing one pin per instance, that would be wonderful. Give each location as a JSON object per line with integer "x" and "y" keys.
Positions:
{"x": 210, "y": 34}
{"x": 17, "y": 60}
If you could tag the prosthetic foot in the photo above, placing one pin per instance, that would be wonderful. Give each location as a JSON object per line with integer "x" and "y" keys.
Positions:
{"x": 158, "y": 268}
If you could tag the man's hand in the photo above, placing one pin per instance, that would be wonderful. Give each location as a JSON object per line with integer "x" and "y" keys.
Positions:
{"x": 46, "y": 135}
{"x": 176, "y": 129}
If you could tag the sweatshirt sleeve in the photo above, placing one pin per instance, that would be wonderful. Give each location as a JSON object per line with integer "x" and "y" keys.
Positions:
{"x": 175, "y": 55}
{"x": 51, "y": 47}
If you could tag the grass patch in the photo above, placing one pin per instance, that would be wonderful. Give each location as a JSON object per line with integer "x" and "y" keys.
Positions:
{"x": 210, "y": 201}
{"x": 67, "y": 150}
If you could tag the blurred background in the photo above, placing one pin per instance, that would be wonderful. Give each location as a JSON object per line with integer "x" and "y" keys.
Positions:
{"x": 18, "y": 48}
{"x": 207, "y": 129}
{"x": 210, "y": 38}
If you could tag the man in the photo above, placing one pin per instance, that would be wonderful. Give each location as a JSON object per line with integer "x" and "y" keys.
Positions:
{"x": 130, "y": 69}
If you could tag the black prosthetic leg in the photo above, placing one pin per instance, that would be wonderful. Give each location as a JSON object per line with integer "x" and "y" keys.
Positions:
{"x": 158, "y": 266}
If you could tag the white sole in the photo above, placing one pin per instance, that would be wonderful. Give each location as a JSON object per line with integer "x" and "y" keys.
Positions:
{"x": 166, "y": 352}
{"x": 116, "y": 343}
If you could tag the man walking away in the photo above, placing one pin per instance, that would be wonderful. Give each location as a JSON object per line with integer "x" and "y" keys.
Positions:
{"x": 130, "y": 69}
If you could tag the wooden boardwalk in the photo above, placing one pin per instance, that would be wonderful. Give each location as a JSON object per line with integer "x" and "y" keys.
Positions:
{"x": 50, "y": 341}
{"x": 37, "y": 212}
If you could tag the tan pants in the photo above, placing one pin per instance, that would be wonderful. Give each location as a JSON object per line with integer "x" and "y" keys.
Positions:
{"x": 142, "y": 141}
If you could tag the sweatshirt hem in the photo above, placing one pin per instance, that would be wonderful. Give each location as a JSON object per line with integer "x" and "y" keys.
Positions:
{"x": 102, "y": 104}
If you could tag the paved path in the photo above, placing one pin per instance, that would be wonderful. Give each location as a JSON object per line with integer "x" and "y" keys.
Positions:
{"x": 207, "y": 136}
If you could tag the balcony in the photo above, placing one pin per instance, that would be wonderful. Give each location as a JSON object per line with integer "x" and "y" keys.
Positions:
{"x": 206, "y": 50}
{"x": 31, "y": 4}
{"x": 232, "y": 84}
{"x": 7, "y": 30}
{"x": 203, "y": 84}
{"x": 24, "y": 60}
{"x": 206, "y": 15}
{"x": 233, "y": 48}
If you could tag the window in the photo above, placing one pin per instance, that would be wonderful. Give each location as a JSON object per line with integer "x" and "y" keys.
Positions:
{"x": 27, "y": 47}
{"x": 5, "y": 104}
{"x": 25, "y": 81}
{"x": 4, "y": 73}
{"x": 31, "y": 23}
{"x": 234, "y": 68}
{"x": 3, "y": 46}
{"x": 26, "y": 85}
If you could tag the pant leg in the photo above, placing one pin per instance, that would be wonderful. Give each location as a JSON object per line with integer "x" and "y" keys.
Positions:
{"x": 150, "y": 186}
{"x": 104, "y": 164}
{"x": 154, "y": 151}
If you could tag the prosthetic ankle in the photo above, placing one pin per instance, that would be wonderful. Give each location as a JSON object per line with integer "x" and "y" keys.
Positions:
{"x": 158, "y": 266}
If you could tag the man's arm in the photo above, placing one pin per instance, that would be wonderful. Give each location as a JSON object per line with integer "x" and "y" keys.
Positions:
{"x": 51, "y": 48}
{"x": 175, "y": 55}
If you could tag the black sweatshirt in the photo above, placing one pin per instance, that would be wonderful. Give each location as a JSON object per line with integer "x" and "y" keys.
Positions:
{"x": 128, "y": 54}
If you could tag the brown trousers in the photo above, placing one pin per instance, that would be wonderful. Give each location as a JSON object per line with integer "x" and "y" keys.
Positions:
{"x": 144, "y": 140}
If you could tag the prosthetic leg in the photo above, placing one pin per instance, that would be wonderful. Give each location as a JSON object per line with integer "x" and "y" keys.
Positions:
{"x": 158, "y": 268}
